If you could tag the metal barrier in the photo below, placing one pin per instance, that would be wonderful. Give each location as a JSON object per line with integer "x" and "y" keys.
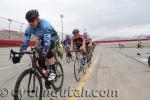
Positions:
{"x": 12, "y": 29}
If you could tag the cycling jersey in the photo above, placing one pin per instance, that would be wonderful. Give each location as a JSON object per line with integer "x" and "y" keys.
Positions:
{"x": 45, "y": 34}
{"x": 67, "y": 41}
{"x": 87, "y": 40}
{"x": 93, "y": 43}
{"x": 78, "y": 40}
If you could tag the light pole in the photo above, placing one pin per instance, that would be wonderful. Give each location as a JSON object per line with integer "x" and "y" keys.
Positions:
{"x": 61, "y": 16}
{"x": 9, "y": 27}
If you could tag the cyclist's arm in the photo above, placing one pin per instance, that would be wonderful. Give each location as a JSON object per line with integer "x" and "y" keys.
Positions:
{"x": 90, "y": 44}
{"x": 25, "y": 42}
{"x": 83, "y": 43}
{"x": 71, "y": 47}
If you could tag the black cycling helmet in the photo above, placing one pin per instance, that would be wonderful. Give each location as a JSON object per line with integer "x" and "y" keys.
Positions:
{"x": 75, "y": 31}
{"x": 31, "y": 15}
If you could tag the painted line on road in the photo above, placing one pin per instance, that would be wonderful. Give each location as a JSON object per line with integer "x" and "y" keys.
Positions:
{"x": 145, "y": 60}
{"x": 2, "y": 68}
{"x": 83, "y": 81}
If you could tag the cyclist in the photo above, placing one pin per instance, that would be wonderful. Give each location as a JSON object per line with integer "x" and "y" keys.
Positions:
{"x": 139, "y": 44}
{"x": 78, "y": 41}
{"x": 88, "y": 40}
{"x": 46, "y": 36}
{"x": 67, "y": 44}
{"x": 93, "y": 45}
{"x": 59, "y": 49}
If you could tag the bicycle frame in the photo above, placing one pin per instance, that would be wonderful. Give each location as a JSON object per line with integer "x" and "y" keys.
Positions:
{"x": 35, "y": 66}
{"x": 34, "y": 73}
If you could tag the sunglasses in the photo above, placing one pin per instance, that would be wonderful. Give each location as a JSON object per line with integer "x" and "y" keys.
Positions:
{"x": 31, "y": 21}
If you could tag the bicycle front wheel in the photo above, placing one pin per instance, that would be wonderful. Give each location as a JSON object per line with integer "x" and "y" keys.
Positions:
{"x": 68, "y": 59}
{"x": 77, "y": 69}
{"x": 28, "y": 86}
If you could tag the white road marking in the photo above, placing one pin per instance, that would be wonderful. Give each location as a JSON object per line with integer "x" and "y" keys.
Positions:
{"x": 145, "y": 60}
{"x": 2, "y": 68}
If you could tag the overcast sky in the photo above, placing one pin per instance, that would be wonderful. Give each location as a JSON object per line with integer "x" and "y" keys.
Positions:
{"x": 100, "y": 18}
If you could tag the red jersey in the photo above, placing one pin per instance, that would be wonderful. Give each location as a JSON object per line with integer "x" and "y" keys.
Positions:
{"x": 78, "y": 39}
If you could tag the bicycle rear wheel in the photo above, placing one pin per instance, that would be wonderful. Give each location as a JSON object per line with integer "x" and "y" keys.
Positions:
{"x": 28, "y": 86}
{"x": 58, "y": 82}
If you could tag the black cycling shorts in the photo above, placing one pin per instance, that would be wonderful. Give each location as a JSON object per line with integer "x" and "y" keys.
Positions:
{"x": 78, "y": 47}
{"x": 50, "y": 53}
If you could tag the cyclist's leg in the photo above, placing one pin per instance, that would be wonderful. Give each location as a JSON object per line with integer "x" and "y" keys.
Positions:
{"x": 76, "y": 48}
{"x": 68, "y": 47}
{"x": 86, "y": 47}
{"x": 51, "y": 62}
{"x": 50, "y": 56}
{"x": 79, "y": 47}
{"x": 83, "y": 58}
{"x": 67, "y": 50}
{"x": 41, "y": 62}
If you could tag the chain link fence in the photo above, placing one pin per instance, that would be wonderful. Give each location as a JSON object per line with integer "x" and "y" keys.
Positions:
{"x": 12, "y": 30}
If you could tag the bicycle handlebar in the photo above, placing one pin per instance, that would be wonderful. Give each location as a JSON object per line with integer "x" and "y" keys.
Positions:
{"x": 77, "y": 51}
{"x": 23, "y": 52}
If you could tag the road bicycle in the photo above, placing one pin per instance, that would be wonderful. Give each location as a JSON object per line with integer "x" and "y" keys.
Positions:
{"x": 31, "y": 79}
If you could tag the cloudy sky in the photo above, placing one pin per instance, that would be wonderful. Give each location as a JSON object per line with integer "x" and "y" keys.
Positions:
{"x": 101, "y": 18}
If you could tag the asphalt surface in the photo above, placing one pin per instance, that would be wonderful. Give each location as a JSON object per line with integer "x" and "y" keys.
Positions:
{"x": 115, "y": 74}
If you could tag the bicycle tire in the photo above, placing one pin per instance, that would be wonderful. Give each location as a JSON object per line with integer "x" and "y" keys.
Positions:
{"x": 75, "y": 66}
{"x": 20, "y": 78}
{"x": 62, "y": 73}
{"x": 68, "y": 60}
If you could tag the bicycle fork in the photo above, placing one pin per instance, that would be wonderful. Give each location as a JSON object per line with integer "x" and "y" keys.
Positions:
{"x": 30, "y": 77}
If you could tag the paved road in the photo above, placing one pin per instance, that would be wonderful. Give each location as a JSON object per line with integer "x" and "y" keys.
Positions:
{"x": 115, "y": 74}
